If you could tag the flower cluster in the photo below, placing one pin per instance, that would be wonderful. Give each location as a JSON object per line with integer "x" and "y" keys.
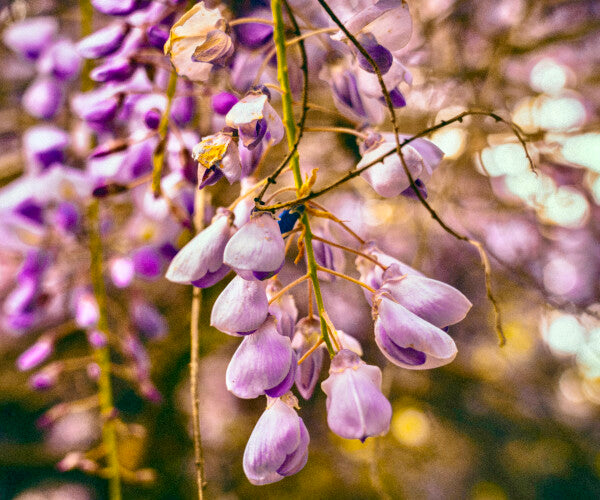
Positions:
{"x": 278, "y": 350}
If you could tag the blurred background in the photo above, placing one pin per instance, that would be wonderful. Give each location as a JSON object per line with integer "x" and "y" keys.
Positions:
{"x": 519, "y": 421}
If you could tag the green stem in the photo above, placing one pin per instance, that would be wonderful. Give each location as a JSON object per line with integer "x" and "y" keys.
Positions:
{"x": 290, "y": 127}
{"x": 158, "y": 159}
{"x": 102, "y": 357}
{"x": 86, "y": 11}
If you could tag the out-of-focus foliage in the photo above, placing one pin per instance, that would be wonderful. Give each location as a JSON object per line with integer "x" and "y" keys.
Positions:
{"x": 519, "y": 421}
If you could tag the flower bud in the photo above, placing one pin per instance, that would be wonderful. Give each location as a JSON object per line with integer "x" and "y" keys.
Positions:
{"x": 257, "y": 250}
{"x": 278, "y": 445}
{"x": 201, "y": 259}
{"x": 307, "y": 334}
{"x": 36, "y": 354}
{"x": 103, "y": 42}
{"x": 255, "y": 119}
{"x": 241, "y": 307}
{"x": 264, "y": 363}
{"x": 408, "y": 340}
{"x": 356, "y": 408}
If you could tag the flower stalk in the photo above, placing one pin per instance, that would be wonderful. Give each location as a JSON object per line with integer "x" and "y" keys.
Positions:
{"x": 290, "y": 127}
{"x": 158, "y": 159}
{"x": 102, "y": 357}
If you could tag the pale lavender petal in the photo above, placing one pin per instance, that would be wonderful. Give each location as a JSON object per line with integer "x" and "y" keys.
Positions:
{"x": 43, "y": 98}
{"x": 103, "y": 42}
{"x": 408, "y": 331}
{"x": 257, "y": 247}
{"x": 261, "y": 362}
{"x": 296, "y": 460}
{"x": 434, "y": 301}
{"x": 203, "y": 254}
{"x": 356, "y": 408}
{"x": 31, "y": 36}
{"x": 276, "y": 436}
{"x": 241, "y": 308}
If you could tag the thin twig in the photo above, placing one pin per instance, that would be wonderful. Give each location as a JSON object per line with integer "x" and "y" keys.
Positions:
{"x": 432, "y": 212}
{"x": 286, "y": 288}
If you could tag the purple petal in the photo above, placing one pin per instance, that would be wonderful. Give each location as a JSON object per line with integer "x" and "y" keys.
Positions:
{"x": 203, "y": 254}
{"x": 257, "y": 247}
{"x": 261, "y": 362}
{"x": 276, "y": 436}
{"x": 103, "y": 42}
{"x": 241, "y": 307}
{"x": 434, "y": 301}
{"x": 43, "y": 98}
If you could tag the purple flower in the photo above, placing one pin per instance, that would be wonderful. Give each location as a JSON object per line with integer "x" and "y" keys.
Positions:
{"x": 31, "y": 36}
{"x": 255, "y": 119}
{"x": 116, "y": 69}
{"x": 356, "y": 408}
{"x": 157, "y": 36}
{"x": 383, "y": 57}
{"x": 278, "y": 445}
{"x": 122, "y": 271}
{"x": 96, "y": 106}
{"x": 253, "y": 35}
{"x": 217, "y": 154}
{"x": 47, "y": 377}
{"x": 307, "y": 334}
{"x": 66, "y": 217}
{"x": 86, "y": 310}
{"x": 43, "y": 98}
{"x": 257, "y": 250}
{"x": 264, "y": 363}
{"x": 61, "y": 60}
{"x": 389, "y": 20}
{"x": 408, "y": 340}
{"x": 147, "y": 262}
{"x": 223, "y": 102}
{"x": 45, "y": 145}
{"x": 115, "y": 7}
{"x": 103, "y": 42}
{"x": 284, "y": 309}
{"x": 36, "y": 354}
{"x": 148, "y": 320}
{"x": 434, "y": 301}
{"x": 241, "y": 307}
{"x": 201, "y": 259}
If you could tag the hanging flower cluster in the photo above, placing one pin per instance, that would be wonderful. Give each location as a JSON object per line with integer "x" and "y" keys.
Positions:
{"x": 278, "y": 350}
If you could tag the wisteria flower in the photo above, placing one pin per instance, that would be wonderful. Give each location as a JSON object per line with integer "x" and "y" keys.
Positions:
{"x": 278, "y": 445}
{"x": 217, "y": 156}
{"x": 356, "y": 408}
{"x": 198, "y": 27}
{"x": 241, "y": 307}
{"x": 255, "y": 119}
{"x": 388, "y": 177}
{"x": 408, "y": 340}
{"x": 257, "y": 250}
{"x": 200, "y": 261}
{"x": 264, "y": 363}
